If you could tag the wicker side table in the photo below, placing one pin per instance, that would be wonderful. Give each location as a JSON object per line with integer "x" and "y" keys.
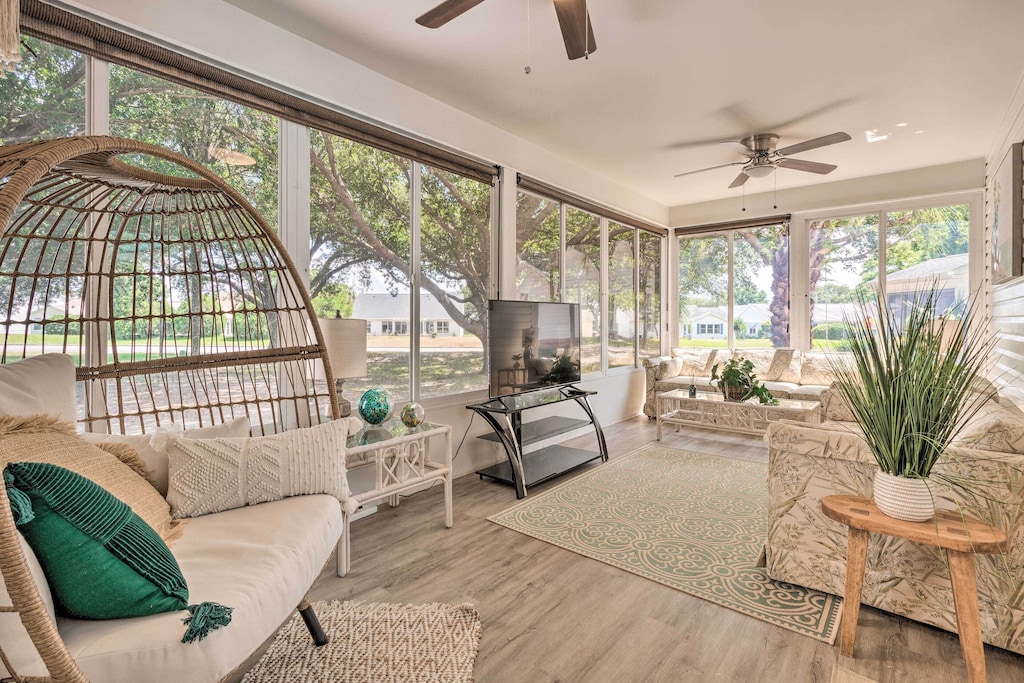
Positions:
{"x": 961, "y": 537}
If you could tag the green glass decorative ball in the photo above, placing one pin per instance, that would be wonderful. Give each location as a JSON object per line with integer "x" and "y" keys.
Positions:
{"x": 413, "y": 414}
{"x": 375, "y": 405}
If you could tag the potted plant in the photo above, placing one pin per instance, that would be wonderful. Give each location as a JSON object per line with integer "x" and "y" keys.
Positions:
{"x": 515, "y": 360}
{"x": 911, "y": 383}
{"x": 739, "y": 383}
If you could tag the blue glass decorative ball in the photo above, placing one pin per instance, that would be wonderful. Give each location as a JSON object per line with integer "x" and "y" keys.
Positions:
{"x": 412, "y": 414}
{"x": 375, "y": 405}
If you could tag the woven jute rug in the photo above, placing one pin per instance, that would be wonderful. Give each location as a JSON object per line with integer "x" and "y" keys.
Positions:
{"x": 692, "y": 521}
{"x": 375, "y": 643}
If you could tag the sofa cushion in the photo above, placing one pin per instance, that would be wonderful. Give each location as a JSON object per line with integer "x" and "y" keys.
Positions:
{"x": 808, "y": 392}
{"x": 696, "y": 362}
{"x": 761, "y": 358}
{"x": 46, "y": 439}
{"x": 816, "y": 369}
{"x": 155, "y": 459}
{"x": 213, "y": 475}
{"x": 259, "y": 559}
{"x": 781, "y": 389}
{"x": 41, "y": 385}
{"x": 101, "y": 560}
{"x": 669, "y": 368}
{"x": 785, "y": 366}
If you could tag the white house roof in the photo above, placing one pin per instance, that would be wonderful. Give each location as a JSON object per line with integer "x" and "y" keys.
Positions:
{"x": 387, "y": 306}
{"x": 944, "y": 267}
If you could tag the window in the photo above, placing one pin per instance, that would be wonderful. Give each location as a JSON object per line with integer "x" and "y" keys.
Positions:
{"x": 44, "y": 97}
{"x": 237, "y": 143}
{"x": 583, "y": 280}
{"x": 455, "y": 266}
{"x": 621, "y": 296}
{"x": 538, "y": 248}
{"x": 847, "y": 257}
{"x": 649, "y": 278}
{"x": 739, "y": 277}
{"x": 362, "y": 262}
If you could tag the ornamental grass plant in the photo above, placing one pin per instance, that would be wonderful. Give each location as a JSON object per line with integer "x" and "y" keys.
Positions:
{"x": 916, "y": 377}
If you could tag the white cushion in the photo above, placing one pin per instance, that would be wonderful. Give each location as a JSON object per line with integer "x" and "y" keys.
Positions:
{"x": 156, "y": 459}
{"x": 41, "y": 385}
{"x": 260, "y": 560}
{"x": 15, "y": 639}
{"x": 212, "y": 475}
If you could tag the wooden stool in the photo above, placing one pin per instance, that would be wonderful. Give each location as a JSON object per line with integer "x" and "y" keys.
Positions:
{"x": 961, "y": 537}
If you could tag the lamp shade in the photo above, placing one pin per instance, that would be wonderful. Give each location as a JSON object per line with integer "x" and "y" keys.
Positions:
{"x": 345, "y": 341}
{"x": 759, "y": 171}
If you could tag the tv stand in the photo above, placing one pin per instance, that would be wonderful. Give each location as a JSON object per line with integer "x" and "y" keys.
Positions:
{"x": 504, "y": 415}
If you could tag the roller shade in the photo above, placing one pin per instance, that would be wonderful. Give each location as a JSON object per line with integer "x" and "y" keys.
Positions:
{"x": 89, "y": 37}
{"x": 541, "y": 188}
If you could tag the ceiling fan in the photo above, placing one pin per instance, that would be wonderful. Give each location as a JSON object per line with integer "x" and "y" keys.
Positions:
{"x": 573, "y": 18}
{"x": 763, "y": 158}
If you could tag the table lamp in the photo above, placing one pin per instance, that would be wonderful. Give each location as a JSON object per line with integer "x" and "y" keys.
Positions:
{"x": 345, "y": 343}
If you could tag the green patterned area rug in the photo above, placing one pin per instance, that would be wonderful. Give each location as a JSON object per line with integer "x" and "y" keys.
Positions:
{"x": 692, "y": 521}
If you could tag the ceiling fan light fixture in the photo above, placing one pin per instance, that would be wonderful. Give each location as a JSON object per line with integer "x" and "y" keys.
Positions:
{"x": 760, "y": 171}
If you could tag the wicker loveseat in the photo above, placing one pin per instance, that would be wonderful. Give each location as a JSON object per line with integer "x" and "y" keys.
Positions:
{"x": 804, "y": 547}
{"x": 180, "y": 309}
{"x": 787, "y": 373}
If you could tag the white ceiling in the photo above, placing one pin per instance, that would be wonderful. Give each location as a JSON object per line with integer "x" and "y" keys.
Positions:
{"x": 672, "y": 77}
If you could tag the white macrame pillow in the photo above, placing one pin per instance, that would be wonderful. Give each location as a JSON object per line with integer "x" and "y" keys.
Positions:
{"x": 213, "y": 475}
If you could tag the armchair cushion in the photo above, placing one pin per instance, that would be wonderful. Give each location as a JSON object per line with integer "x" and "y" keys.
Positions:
{"x": 100, "y": 559}
{"x": 213, "y": 475}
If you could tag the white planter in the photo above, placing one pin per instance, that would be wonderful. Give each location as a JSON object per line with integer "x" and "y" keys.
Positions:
{"x": 903, "y": 498}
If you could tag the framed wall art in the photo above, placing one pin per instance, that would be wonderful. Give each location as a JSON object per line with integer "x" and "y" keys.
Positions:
{"x": 1007, "y": 216}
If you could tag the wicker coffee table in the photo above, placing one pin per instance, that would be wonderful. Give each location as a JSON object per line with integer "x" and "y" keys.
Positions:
{"x": 712, "y": 411}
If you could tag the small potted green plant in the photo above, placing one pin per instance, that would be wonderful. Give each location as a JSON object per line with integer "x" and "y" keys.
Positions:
{"x": 515, "y": 360}
{"x": 912, "y": 386}
{"x": 739, "y": 383}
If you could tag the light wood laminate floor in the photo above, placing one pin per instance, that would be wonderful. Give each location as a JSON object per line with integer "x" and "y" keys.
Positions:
{"x": 551, "y": 615}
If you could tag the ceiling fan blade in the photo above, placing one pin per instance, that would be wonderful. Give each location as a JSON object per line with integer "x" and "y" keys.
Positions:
{"x": 577, "y": 31}
{"x": 445, "y": 12}
{"x": 740, "y": 179}
{"x": 814, "y": 144}
{"x": 739, "y": 147}
{"x": 709, "y": 168}
{"x": 809, "y": 166}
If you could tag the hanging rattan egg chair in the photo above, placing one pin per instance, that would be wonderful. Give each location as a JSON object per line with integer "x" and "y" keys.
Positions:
{"x": 175, "y": 297}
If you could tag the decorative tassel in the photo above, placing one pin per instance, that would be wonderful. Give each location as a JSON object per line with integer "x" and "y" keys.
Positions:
{"x": 10, "y": 38}
{"x": 203, "y": 618}
{"x": 21, "y": 504}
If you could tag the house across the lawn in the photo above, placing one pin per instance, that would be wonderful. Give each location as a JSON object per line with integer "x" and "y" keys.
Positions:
{"x": 387, "y": 314}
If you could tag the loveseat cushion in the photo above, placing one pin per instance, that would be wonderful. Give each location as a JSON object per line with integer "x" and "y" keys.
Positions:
{"x": 41, "y": 385}
{"x": 259, "y": 559}
{"x": 816, "y": 369}
{"x": 155, "y": 459}
{"x": 46, "y": 439}
{"x": 781, "y": 389}
{"x": 808, "y": 392}
{"x": 15, "y": 639}
{"x": 213, "y": 475}
{"x": 101, "y": 560}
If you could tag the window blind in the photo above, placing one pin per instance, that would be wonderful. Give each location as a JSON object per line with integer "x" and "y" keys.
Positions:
{"x": 551, "y": 192}
{"x": 89, "y": 37}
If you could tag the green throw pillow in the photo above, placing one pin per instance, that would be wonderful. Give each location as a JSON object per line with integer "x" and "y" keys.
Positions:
{"x": 101, "y": 560}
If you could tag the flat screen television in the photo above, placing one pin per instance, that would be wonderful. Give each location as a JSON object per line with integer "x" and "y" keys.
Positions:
{"x": 532, "y": 345}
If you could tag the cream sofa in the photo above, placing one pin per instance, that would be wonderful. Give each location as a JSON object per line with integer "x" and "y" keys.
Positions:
{"x": 259, "y": 559}
{"x": 787, "y": 373}
{"x": 808, "y": 462}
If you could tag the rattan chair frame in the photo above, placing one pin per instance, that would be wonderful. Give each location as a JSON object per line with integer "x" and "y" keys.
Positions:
{"x": 75, "y": 197}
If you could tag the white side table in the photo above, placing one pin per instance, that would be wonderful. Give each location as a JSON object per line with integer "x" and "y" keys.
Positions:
{"x": 401, "y": 458}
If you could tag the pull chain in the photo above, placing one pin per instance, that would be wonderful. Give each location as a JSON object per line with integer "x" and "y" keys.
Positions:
{"x": 775, "y": 197}
{"x": 527, "y": 70}
{"x": 586, "y": 31}
{"x": 743, "y": 188}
